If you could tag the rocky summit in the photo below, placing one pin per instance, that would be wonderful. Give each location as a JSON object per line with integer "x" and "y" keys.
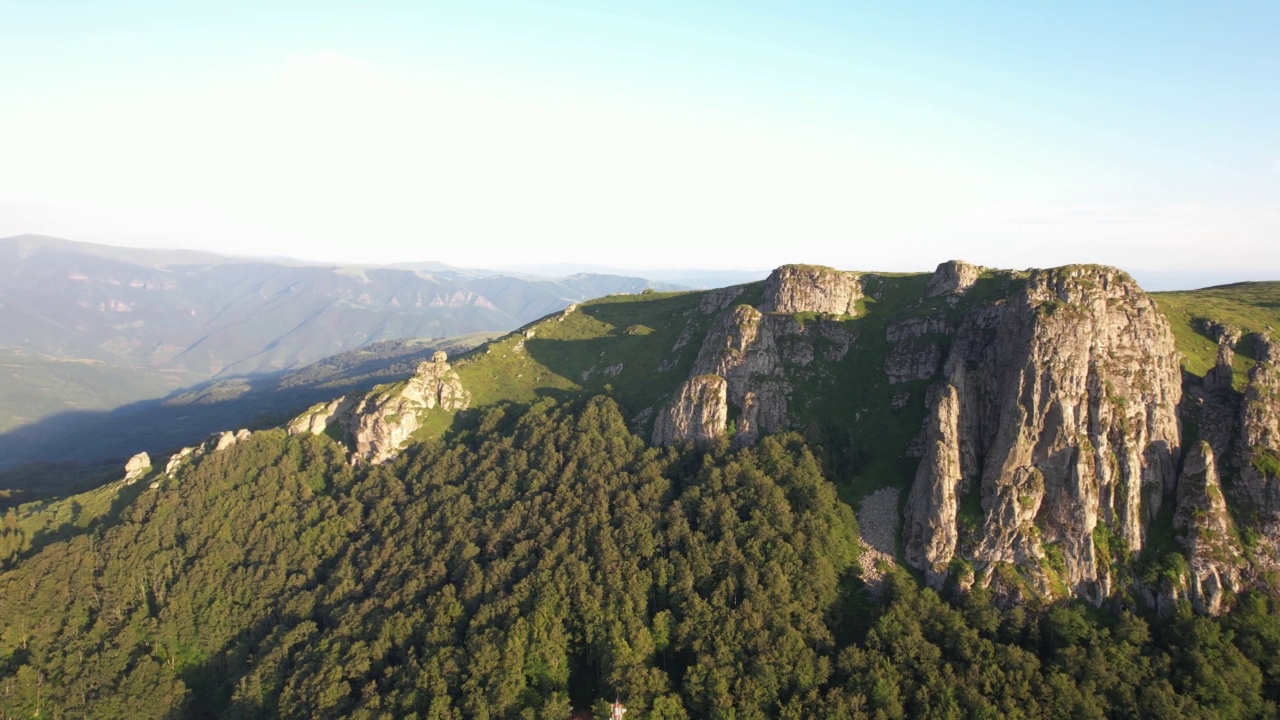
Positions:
{"x": 1056, "y": 408}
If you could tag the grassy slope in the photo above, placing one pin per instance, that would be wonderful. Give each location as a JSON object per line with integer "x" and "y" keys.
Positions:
{"x": 844, "y": 407}
{"x": 616, "y": 345}
{"x": 850, "y": 404}
{"x": 32, "y": 525}
{"x": 1253, "y": 307}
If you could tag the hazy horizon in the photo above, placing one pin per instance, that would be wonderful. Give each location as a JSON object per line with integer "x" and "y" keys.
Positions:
{"x": 1151, "y": 280}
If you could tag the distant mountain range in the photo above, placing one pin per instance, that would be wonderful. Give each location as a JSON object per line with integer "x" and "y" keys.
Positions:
{"x": 87, "y": 327}
{"x": 694, "y": 278}
{"x": 216, "y": 316}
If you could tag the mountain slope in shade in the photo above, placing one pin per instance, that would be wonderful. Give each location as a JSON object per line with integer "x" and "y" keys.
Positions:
{"x": 121, "y": 426}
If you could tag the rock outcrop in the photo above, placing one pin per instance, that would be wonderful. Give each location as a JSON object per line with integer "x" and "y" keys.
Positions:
{"x": 953, "y": 277}
{"x": 915, "y": 348}
{"x": 713, "y": 301}
{"x": 1219, "y": 379}
{"x": 932, "y": 530}
{"x": 214, "y": 443}
{"x": 1206, "y": 532}
{"x": 753, "y": 349}
{"x": 699, "y": 412}
{"x": 735, "y": 346}
{"x": 318, "y": 419}
{"x": 1058, "y": 408}
{"x": 811, "y": 288}
{"x": 1242, "y": 428}
{"x": 743, "y": 348}
{"x": 379, "y": 424}
{"x": 907, "y": 362}
{"x": 227, "y": 438}
{"x": 1258, "y": 443}
{"x": 136, "y": 468}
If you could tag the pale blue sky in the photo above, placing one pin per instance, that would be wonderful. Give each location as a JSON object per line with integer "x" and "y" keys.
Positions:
{"x": 739, "y": 135}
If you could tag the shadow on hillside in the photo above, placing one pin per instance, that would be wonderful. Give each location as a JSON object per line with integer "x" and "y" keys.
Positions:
{"x": 56, "y": 533}
{"x": 71, "y": 451}
{"x": 625, "y": 359}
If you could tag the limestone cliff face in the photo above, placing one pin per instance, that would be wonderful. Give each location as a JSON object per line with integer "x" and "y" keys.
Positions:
{"x": 1258, "y": 443}
{"x": 1242, "y": 430}
{"x": 735, "y": 346}
{"x": 1207, "y": 533}
{"x": 915, "y": 353}
{"x": 378, "y": 425}
{"x": 1058, "y": 409}
{"x": 699, "y": 412}
{"x": 932, "y": 506}
{"x": 744, "y": 346}
{"x": 1219, "y": 379}
{"x": 752, "y": 352}
{"x": 381, "y": 424}
{"x": 811, "y": 288}
{"x": 953, "y": 277}
{"x": 316, "y": 420}
{"x": 755, "y": 350}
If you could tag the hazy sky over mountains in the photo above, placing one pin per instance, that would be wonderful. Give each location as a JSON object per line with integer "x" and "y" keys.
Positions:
{"x": 718, "y": 134}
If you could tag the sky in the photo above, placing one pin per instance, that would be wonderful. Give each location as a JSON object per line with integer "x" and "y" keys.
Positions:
{"x": 732, "y": 135}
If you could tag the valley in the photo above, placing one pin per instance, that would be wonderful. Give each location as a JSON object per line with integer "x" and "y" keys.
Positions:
{"x": 97, "y": 338}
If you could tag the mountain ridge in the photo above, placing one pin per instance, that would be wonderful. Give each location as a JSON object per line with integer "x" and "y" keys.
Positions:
{"x": 753, "y": 360}
{"x": 651, "y": 498}
{"x": 214, "y": 315}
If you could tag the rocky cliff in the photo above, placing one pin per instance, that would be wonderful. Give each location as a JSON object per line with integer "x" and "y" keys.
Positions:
{"x": 1049, "y": 440}
{"x": 699, "y": 412}
{"x": 1058, "y": 410}
{"x": 378, "y": 425}
{"x": 755, "y": 352}
{"x": 811, "y": 288}
{"x": 1207, "y": 532}
{"x": 1258, "y": 442}
{"x": 954, "y": 278}
{"x": 1241, "y": 433}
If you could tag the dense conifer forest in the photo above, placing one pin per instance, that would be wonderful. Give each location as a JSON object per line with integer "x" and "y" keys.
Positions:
{"x": 544, "y": 559}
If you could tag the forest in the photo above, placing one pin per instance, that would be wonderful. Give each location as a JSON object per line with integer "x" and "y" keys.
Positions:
{"x": 544, "y": 560}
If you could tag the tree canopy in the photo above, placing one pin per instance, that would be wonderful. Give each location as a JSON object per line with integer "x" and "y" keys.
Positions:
{"x": 543, "y": 560}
